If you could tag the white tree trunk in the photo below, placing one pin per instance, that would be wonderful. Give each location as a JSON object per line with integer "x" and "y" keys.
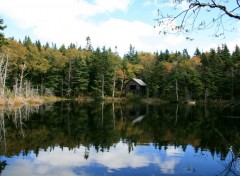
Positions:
{"x": 21, "y": 78}
{"x": 5, "y": 76}
{"x": 177, "y": 90}
{"x": 114, "y": 84}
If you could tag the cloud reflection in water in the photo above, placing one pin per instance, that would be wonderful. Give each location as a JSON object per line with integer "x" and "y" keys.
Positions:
{"x": 65, "y": 162}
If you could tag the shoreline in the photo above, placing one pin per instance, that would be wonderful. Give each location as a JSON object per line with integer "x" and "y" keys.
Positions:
{"x": 19, "y": 101}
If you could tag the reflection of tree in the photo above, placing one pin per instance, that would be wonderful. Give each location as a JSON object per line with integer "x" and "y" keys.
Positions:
{"x": 231, "y": 166}
{"x": 3, "y": 164}
{"x": 69, "y": 124}
{"x": 176, "y": 114}
{"x": 2, "y": 130}
{"x": 86, "y": 153}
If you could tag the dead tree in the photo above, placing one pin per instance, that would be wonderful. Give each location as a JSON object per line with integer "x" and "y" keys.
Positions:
{"x": 3, "y": 74}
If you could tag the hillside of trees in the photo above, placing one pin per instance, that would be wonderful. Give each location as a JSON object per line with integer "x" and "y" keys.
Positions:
{"x": 28, "y": 68}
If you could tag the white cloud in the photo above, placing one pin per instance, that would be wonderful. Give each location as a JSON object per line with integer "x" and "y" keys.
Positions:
{"x": 109, "y": 33}
{"x": 28, "y": 13}
{"x": 66, "y": 21}
{"x": 62, "y": 21}
{"x": 54, "y": 8}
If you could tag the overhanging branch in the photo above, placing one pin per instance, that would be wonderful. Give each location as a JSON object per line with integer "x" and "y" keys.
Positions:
{"x": 218, "y": 6}
{"x": 190, "y": 18}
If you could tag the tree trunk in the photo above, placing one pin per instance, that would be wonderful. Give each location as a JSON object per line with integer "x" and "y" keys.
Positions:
{"x": 3, "y": 131}
{"x": 114, "y": 84}
{"x": 176, "y": 90}
{"x": 5, "y": 76}
{"x": 1, "y": 75}
{"x": 62, "y": 88}
{"x": 147, "y": 92}
{"x": 21, "y": 78}
{"x": 42, "y": 85}
{"x": 206, "y": 95}
{"x": 113, "y": 111}
{"x": 26, "y": 89}
{"x": 21, "y": 122}
{"x": 176, "y": 115}
{"x": 103, "y": 86}
{"x": 186, "y": 93}
{"x": 121, "y": 88}
{"x": 69, "y": 79}
{"x": 102, "y": 111}
{"x": 16, "y": 88}
{"x": 232, "y": 97}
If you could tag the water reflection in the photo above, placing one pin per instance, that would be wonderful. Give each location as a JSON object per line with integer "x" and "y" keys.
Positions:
{"x": 68, "y": 138}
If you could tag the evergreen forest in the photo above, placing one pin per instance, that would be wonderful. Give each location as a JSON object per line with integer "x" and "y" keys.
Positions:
{"x": 30, "y": 68}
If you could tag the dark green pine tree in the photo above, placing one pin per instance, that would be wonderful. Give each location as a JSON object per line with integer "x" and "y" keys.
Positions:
{"x": 207, "y": 75}
{"x": 108, "y": 71}
{"x": 72, "y": 46}
{"x": 101, "y": 73}
{"x": 80, "y": 77}
{"x": 46, "y": 46}
{"x": 53, "y": 82}
{"x": 160, "y": 57}
{"x": 225, "y": 82}
{"x": 185, "y": 54}
{"x": 204, "y": 60}
{"x": 27, "y": 41}
{"x": 163, "y": 56}
{"x": 38, "y": 45}
{"x": 62, "y": 49}
{"x": 2, "y": 37}
{"x": 236, "y": 72}
{"x": 197, "y": 52}
{"x": 167, "y": 55}
{"x": 236, "y": 55}
{"x": 53, "y": 79}
{"x": 158, "y": 80}
{"x": 94, "y": 74}
{"x": 226, "y": 58}
{"x": 132, "y": 56}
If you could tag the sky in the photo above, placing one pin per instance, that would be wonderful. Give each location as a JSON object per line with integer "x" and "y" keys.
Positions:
{"x": 109, "y": 23}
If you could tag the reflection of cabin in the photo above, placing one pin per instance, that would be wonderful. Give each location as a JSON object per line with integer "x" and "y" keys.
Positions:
{"x": 135, "y": 113}
{"x": 136, "y": 86}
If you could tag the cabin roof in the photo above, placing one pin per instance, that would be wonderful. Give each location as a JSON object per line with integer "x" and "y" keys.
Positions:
{"x": 139, "y": 81}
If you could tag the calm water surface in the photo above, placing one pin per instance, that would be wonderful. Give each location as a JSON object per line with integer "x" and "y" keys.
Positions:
{"x": 70, "y": 139}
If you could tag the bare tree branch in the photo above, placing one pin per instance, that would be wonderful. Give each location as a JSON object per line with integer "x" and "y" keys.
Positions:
{"x": 218, "y": 6}
{"x": 193, "y": 18}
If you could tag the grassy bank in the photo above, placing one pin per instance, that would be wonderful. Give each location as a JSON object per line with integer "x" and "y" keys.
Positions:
{"x": 18, "y": 101}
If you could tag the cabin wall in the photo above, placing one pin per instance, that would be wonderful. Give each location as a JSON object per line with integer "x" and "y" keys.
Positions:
{"x": 134, "y": 88}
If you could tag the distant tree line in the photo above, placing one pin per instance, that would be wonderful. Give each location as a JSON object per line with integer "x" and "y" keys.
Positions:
{"x": 28, "y": 68}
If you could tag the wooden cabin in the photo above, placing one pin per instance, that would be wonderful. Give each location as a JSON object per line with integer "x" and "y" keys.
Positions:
{"x": 136, "y": 87}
